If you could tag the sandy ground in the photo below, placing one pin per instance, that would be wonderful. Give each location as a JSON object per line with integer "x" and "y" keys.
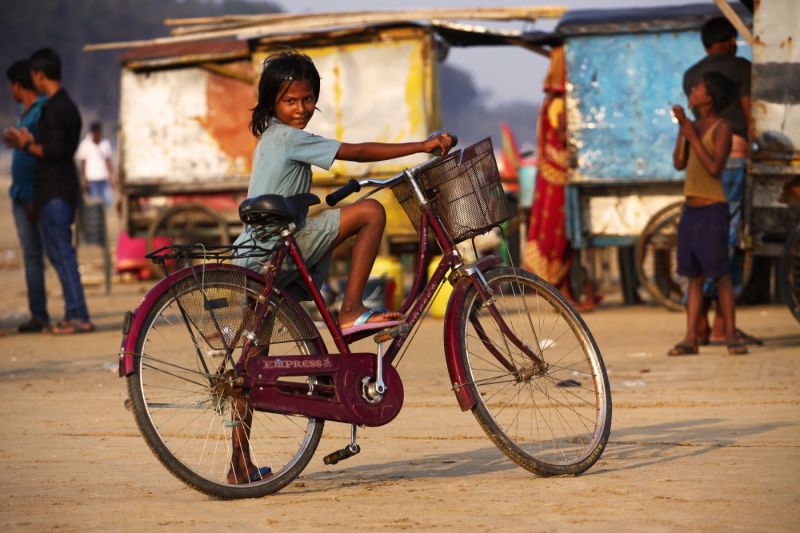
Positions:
{"x": 702, "y": 443}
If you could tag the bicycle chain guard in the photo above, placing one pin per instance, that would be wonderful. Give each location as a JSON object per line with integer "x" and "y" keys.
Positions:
{"x": 334, "y": 388}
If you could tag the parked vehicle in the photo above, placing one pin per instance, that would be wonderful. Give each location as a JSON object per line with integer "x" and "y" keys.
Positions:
{"x": 623, "y": 189}
{"x": 185, "y": 146}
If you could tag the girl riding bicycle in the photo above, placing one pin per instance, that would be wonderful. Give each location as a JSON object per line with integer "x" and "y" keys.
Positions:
{"x": 231, "y": 381}
{"x": 287, "y": 96}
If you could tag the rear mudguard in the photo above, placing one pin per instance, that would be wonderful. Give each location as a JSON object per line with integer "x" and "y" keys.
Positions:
{"x": 452, "y": 332}
{"x": 134, "y": 320}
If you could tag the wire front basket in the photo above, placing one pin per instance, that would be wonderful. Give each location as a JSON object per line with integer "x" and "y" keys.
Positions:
{"x": 466, "y": 192}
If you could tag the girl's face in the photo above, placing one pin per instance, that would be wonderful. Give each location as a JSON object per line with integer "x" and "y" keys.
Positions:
{"x": 295, "y": 104}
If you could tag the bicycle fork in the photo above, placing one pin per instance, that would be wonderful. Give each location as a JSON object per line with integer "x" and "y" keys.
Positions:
{"x": 487, "y": 296}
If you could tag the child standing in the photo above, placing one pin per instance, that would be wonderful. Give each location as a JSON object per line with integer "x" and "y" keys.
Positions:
{"x": 702, "y": 148}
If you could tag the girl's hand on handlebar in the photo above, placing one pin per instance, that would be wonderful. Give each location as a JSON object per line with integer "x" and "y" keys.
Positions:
{"x": 438, "y": 144}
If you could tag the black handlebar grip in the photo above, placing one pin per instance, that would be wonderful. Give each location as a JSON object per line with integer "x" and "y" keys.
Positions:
{"x": 340, "y": 194}
{"x": 438, "y": 152}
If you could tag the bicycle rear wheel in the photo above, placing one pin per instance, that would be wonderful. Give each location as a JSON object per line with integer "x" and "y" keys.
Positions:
{"x": 185, "y": 399}
{"x": 551, "y": 422}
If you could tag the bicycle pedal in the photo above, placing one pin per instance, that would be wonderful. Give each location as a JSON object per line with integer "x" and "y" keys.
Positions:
{"x": 391, "y": 333}
{"x": 340, "y": 455}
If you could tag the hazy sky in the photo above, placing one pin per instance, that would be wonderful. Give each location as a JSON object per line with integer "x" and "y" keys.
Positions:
{"x": 505, "y": 73}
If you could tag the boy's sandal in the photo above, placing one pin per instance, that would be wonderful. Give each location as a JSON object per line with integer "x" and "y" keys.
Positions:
{"x": 744, "y": 338}
{"x": 741, "y": 337}
{"x": 683, "y": 349}
{"x": 737, "y": 348}
{"x": 70, "y": 327}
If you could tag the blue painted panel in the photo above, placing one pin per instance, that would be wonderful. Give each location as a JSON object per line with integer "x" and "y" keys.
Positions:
{"x": 621, "y": 90}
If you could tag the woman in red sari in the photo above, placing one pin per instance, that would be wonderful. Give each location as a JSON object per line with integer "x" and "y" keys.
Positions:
{"x": 548, "y": 253}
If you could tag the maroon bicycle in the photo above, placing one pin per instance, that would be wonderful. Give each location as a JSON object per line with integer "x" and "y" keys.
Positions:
{"x": 231, "y": 382}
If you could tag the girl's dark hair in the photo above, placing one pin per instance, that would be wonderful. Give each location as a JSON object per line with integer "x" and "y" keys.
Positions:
{"x": 279, "y": 68}
{"x": 720, "y": 88}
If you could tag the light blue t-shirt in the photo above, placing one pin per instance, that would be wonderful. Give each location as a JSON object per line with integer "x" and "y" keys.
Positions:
{"x": 21, "y": 189}
{"x": 282, "y": 165}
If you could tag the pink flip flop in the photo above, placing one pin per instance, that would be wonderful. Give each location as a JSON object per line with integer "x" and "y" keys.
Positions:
{"x": 362, "y": 323}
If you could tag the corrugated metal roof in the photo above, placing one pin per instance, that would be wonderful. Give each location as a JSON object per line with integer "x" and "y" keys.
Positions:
{"x": 276, "y": 25}
{"x": 641, "y": 19}
{"x": 201, "y": 50}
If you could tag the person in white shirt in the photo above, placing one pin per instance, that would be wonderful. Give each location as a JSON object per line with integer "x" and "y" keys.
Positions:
{"x": 94, "y": 154}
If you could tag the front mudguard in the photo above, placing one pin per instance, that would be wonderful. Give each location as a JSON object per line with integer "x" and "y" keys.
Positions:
{"x": 134, "y": 320}
{"x": 459, "y": 375}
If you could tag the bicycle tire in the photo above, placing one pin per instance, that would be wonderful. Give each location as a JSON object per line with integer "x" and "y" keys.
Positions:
{"x": 790, "y": 268}
{"x": 184, "y": 412}
{"x": 655, "y": 253}
{"x": 522, "y": 412}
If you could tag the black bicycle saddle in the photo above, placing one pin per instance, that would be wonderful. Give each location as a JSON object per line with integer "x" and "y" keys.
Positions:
{"x": 271, "y": 209}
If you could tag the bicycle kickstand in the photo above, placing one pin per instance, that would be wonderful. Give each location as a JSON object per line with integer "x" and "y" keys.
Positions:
{"x": 345, "y": 453}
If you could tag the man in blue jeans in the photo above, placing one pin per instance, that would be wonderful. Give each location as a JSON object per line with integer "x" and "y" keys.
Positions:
{"x": 21, "y": 193}
{"x": 56, "y": 187}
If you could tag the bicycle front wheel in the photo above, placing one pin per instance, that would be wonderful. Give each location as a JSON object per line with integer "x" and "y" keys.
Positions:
{"x": 553, "y": 420}
{"x": 191, "y": 411}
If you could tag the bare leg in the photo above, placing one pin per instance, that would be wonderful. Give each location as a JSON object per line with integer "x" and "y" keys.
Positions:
{"x": 694, "y": 309}
{"x": 366, "y": 220}
{"x": 703, "y": 327}
{"x": 727, "y": 307}
{"x": 242, "y": 466}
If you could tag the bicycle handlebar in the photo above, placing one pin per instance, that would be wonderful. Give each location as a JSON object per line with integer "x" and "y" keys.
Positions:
{"x": 343, "y": 192}
{"x": 355, "y": 185}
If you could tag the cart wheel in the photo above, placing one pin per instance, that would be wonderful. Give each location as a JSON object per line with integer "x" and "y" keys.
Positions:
{"x": 188, "y": 223}
{"x": 791, "y": 266}
{"x": 657, "y": 259}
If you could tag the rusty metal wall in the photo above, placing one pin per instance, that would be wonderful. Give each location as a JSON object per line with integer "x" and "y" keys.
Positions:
{"x": 776, "y": 80}
{"x": 772, "y": 189}
{"x": 185, "y": 125}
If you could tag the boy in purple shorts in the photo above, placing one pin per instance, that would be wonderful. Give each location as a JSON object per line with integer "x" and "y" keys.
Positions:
{"x": 702, "y": 149}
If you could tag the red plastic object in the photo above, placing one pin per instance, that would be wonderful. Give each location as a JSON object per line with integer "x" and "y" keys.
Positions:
{"x": 131, "y": 251}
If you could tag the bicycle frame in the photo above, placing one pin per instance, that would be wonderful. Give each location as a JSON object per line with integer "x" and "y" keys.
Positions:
{"x": 413, "y": 307}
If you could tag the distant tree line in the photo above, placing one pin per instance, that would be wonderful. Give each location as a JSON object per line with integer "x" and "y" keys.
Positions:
{"x": 67, "y": 25}
{"x": 93, "y": 78}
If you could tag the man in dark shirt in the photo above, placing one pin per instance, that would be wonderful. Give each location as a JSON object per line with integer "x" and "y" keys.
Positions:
{"x": 56, "y": 186}
{"x": 719, "y": 40}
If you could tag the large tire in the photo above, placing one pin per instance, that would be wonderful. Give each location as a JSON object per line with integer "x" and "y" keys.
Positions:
{"x": 790, "y": 268}
{"x": 181, "y": 390}
{"x": 187, "y": 223}
{"x": 655, "y": 254}
{"x": 555, "y": 422}
{"x": 656, "y": 257}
